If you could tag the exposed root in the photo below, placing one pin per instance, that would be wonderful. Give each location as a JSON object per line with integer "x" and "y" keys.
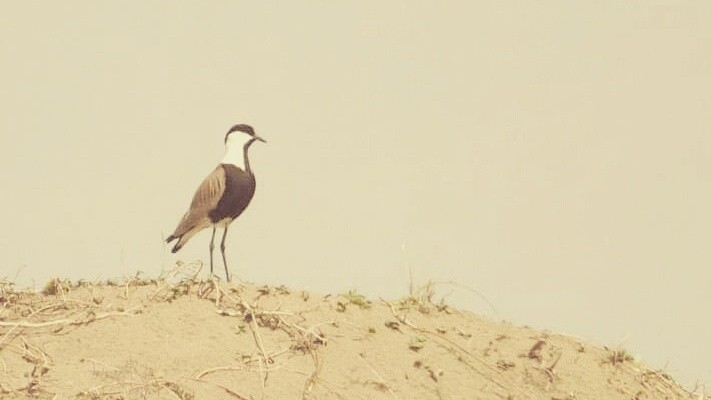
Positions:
{"x": 91, "y": 317}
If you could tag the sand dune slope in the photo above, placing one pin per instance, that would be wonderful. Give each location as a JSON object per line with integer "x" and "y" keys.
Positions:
{"x": 184, "y": 338}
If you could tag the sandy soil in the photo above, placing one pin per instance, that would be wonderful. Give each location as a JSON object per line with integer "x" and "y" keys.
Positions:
{"x": 187, "y": 338}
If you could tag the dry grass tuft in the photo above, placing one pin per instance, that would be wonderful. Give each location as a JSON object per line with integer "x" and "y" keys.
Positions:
{"x": 619, "y": 356}
{"x": 352, "y": 298}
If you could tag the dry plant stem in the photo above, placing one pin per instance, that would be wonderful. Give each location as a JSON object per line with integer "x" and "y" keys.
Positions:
{"x": 549, "y": 370}
{"x": 404, "y": 320}
{"x": 670, "y": 385}
{"x": 252, "y": 312}
{"x": 217, "y": 369}
{"x": 21, "y": 390}
{"x": 6, "y": 335}
{"x": 381, "y": 381}
{"x": 313, "y": 378}
{"x": 311, "y": 381}
{"x": 226, "y": 389}
{"x": 35, "y": 352}
{"x": 60, "y": 290}
{"x": 305, "y": 331}
{"x": 175, "y": 271}
{"x": 133, "y": 385}
{"x": 242, "y": 367}
{"x": 40, "y": 361}
{"x": 258, "y": 338}
{"x": 478, "y": 293}
{"x": 35, "y": 312}
{"x": 5, "y": 388}
{"x": 95, "y": 361}
{"x": 218, "y": 295}
{"x": 227, "y": 295}
{"x": 68, "y": 321}
{"x": 274, "y": 312}
{"x": 264, "y": 376}
{"x": 272, "y": 357}
{"x": 255, "y": 329}
{"x": 125, "y": 289}
{"x": 96, "y": 389}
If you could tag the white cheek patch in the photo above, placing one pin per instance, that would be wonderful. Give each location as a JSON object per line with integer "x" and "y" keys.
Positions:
{"x": 238, "y": 138}
{"x": 234, "y": 153}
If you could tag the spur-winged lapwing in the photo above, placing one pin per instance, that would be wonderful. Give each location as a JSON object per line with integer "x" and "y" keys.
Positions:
{"x": 223, "y": 195}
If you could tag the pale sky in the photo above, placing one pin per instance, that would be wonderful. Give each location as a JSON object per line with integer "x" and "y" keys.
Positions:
{"x": 555, "y": 157}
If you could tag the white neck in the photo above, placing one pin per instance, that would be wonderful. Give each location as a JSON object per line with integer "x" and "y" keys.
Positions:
{"x": 234, "y": 149}
{"x": 234, "y": 155}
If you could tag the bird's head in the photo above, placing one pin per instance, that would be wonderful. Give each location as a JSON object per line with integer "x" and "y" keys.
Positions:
{"x": 241, "y": 133}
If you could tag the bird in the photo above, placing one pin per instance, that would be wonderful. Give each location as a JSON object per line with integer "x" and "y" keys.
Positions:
{"x": 223, "y": 195}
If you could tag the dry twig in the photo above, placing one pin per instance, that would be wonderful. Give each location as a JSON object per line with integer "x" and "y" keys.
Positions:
{"x": 68, "y": 321}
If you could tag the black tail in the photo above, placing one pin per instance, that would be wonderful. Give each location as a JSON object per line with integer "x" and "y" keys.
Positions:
{"x": 177, "y": 246}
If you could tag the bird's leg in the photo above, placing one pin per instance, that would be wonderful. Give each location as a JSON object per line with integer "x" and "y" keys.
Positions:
{"x": 224, "y": 259}
{"x": 212, "y": 247}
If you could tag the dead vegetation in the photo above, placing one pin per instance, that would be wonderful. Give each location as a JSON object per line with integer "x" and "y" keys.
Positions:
{"x": 267, "y": 342}
{"x": 130, "y": 381}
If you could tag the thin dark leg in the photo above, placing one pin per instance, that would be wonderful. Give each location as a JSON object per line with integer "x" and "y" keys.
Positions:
{"x": 224, "y": 259}
{"x": 212, "y": 247}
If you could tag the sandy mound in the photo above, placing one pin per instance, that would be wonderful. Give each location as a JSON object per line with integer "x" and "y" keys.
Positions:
{"x": 185, "y": 338}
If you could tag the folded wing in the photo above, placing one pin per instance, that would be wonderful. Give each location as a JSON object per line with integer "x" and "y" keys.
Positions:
{"x": 205, "y": 199}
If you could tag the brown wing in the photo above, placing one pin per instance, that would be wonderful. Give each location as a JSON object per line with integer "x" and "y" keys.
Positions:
{"x": 205, "y": 199}
{"x": 210, "y": 190}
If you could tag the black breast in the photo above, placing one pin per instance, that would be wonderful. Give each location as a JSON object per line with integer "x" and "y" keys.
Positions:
{"x": 239, "y": 189}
